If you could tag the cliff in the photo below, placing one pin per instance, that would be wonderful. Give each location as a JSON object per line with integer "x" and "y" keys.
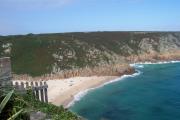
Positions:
{"x": 105, "y": 70}
{"x": 39, "y": 54}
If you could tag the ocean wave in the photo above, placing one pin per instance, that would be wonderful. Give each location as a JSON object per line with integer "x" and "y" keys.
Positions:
{"x": 123, "y": 77}
{"x": 81, "y": 94}
{"x": 78, "y": 96}
{"x": 137, "y": 65}
{"x": 140, "y": 64}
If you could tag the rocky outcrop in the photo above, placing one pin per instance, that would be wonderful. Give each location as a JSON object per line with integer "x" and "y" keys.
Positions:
{"x": 106, "y": 70}
{"x": 154, "y": 57}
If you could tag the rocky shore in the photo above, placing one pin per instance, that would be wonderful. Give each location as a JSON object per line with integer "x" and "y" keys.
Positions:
{"x": 106, "y": 70}
{"x": 154, "y": 57}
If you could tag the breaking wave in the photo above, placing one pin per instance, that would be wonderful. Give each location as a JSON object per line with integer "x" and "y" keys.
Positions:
{"x": 81, "y": 94}
{"x": 161, "y": 62}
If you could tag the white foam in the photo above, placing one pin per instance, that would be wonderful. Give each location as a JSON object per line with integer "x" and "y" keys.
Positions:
{"x": 81, "y": 94}
{"x": 147, "y": 63}
{"x": 137, "y": 65}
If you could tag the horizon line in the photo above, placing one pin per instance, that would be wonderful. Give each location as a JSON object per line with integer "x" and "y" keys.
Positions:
{"x": 146, "y": 31}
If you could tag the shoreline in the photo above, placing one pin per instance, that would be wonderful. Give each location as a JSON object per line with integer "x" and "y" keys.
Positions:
{"x": 70, "y": 96}
{"x": 79, "y": 95}
{"x": 66, "y": 93}
{"x": 63, "y": 87}
{"x": 69, "y": 90}
{"x": 151, "y": 63}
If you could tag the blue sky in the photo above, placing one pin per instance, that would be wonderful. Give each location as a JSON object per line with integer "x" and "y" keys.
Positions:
{"x": 49, "y": 16}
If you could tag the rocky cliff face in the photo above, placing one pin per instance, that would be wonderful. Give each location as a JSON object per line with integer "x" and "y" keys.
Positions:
{"x": 160, "y": 44}
{"x": 51, "y": 53}
{"x": 105, "y": 70}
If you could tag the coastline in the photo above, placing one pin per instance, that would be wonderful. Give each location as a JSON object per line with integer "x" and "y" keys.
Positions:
{"x": 79, "y": 95}
{"x": 149, "y": 63}
{"x": 64, "y": 91}
{"x": 64, "y": 87}
{"x": 128, "y": 93}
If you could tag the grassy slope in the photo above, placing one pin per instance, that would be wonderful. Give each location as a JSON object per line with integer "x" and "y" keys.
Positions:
{"x": 32, "y": 54}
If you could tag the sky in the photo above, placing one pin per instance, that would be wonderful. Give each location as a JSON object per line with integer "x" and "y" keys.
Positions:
{"x": 54, "y": 16}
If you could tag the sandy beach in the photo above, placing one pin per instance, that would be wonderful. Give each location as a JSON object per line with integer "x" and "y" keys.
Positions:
{"x": 62, "y": 91}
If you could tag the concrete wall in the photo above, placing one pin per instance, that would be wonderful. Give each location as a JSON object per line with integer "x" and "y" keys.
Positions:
{"x": 5, "y": 70}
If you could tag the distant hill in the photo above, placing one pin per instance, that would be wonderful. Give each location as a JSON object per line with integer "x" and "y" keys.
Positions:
{"x": 37, "y": 54}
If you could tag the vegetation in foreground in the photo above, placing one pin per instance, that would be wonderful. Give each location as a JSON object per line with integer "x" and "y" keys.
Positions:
{"x": 18, "y": 107}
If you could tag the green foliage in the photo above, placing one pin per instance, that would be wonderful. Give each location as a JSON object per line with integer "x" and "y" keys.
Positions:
{"x": 16, "y": 106}
{"x": 54, "y": 112}
{"x": 33, "y": 54}
{"x": 5, "y": 100}
{"x": 12, "y": 113}
{"x": 15, "y": 115}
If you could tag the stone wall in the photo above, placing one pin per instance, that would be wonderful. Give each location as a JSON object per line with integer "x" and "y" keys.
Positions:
{"x": 5, "y": 71}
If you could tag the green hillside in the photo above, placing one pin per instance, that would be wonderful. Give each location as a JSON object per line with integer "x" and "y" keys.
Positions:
{"x": 37, "y": 54}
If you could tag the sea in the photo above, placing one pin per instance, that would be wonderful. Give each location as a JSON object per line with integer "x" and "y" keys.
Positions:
{"x": 152, "y": 93}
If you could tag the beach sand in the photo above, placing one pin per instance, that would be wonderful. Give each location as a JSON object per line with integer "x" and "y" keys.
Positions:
{"x": 62, "y": 91}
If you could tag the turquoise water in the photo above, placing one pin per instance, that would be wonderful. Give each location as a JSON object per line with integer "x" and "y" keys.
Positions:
{"x": 152, "y": 95}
